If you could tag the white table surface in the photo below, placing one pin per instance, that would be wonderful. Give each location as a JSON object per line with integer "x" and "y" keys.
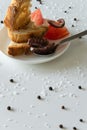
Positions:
{"x": 64, "y": 74}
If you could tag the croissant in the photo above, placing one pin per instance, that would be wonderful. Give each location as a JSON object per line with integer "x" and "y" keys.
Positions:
{"x": 18, "y": 14}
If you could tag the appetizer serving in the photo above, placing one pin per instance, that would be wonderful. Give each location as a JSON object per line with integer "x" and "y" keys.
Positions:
{"x": 30, "y": 32}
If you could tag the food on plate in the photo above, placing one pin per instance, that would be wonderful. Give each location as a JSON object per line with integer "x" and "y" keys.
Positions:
{"x": 56, "y": 29}
{"x": 37, "y": 17}
{"x": 22, "y": 35}
{"x": 18, "y": 14}
{"x": 56, "y": 33}
{"x": 57, "y": 24}
{"x": 41, "y": 46}
{"x": 15, "y": 49}
{"x": 19, "y": 24}
{"x": 46, "y": 50}
{"x": 22, "y": 26}
{"x": 38, "y": 42}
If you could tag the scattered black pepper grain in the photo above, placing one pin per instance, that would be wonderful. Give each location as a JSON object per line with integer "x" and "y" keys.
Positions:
{"x": 80, "y": 37}
{"x": 9, "y": 108}
{"x": 63, "y": 107}
{"x": 70, "y": 7}
{"x": 39, "y": 97}
{"x": 61, "y": 126}
{"x": 74, "y": 128}
{"x": 40, "y": 1}
{"x": 75, "y": 19}
{"x": 81, "y": 120}
{"x": 36, "y": 8}
{"x": 65, "y": 11}
{"x": 1, "y": 21}
{"x": 73, "y": 25}
{"x": 50, "y": 88}
{"x": 11, "y": 80}
{"x": 79, "y": 87}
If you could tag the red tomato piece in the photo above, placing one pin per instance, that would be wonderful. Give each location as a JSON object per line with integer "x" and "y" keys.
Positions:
{"x": 52, "y": 33}
{"x": 56, "y": 33}
{"x": 37, "y": 17}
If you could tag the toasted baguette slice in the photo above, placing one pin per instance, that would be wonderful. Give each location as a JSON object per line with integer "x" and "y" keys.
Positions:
{"x": 22, "y": 35}
{"x": 16, "y": 49}
{"x": 18, "y": 14}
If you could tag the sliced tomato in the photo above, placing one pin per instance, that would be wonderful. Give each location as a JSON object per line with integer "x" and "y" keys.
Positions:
{"x": 56, "y": 33}
{"x": 52, "y": 33}
{"x": 37, "y": 17}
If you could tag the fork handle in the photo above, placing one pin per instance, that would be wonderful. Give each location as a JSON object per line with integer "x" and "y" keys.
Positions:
{"x": 74, "y": 37}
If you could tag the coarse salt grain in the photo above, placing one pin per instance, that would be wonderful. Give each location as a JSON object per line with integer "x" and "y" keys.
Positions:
{"x": 15, "y": 93}
{"x": 37, "y": 116}
{"x": 44, "y": 114}
{"x": 5, "y": 125}
{"x": 10, "y": 119}
{"x": 23, "y": 89}
{"x": 32, "y": 106}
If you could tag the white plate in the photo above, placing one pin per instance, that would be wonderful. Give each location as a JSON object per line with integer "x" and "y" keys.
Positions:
{"x": 31, "y": 59}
